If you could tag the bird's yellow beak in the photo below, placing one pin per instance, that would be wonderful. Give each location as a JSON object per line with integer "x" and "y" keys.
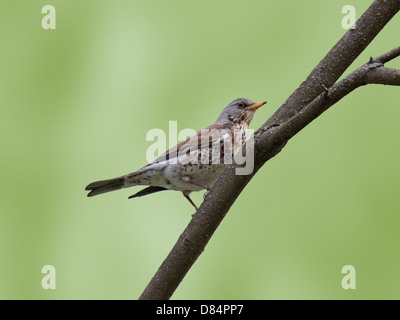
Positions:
{"x": 257, "y": 105}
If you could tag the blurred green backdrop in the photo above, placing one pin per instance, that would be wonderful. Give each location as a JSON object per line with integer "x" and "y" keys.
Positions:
{"x": 77, "y": 102}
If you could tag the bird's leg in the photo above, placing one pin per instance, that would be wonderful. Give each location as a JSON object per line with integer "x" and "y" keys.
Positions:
{"x": 188, "y": 180}
{"x": 186, "y": 194}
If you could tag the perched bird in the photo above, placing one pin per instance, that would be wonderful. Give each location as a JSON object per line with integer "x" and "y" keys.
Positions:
{"x": 194, "y": 164}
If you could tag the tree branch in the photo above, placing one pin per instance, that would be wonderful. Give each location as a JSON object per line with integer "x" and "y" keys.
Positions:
{"x": 305, "y": 104}
{"x": 388, "y": 56}
{"x": 384, "y": 76}
{"x": 370, "y": 73}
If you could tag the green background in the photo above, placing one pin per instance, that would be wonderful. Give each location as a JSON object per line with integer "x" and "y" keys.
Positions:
{"x": 77, "y": 102}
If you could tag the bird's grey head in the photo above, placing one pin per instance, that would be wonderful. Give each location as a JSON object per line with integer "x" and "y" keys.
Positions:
{"x": 239, "y": 110}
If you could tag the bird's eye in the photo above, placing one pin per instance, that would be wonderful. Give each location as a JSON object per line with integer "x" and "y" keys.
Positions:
{"x": 241, "y": 105}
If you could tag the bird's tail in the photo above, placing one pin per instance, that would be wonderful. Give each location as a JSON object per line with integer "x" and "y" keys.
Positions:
{"x": 103, "y": 186}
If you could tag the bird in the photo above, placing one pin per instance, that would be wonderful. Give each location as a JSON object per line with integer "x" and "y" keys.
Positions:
{"x": 194, "y": 164}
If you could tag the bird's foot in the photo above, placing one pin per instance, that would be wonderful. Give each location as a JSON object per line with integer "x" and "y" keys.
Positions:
{"x": 206, "y": 193}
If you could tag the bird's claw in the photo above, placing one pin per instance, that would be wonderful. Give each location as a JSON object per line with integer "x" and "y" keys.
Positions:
{"x": 206, "y": 193}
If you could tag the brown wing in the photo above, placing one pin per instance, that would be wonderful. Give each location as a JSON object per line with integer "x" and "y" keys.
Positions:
{"x": 188, "y": 143}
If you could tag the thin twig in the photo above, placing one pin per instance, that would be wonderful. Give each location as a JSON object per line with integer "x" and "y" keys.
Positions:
{"x": 386, "y": 57}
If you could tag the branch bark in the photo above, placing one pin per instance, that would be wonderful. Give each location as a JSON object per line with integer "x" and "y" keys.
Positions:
{"x": 306, "y": 103}
{"x": 384, "y": 76}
